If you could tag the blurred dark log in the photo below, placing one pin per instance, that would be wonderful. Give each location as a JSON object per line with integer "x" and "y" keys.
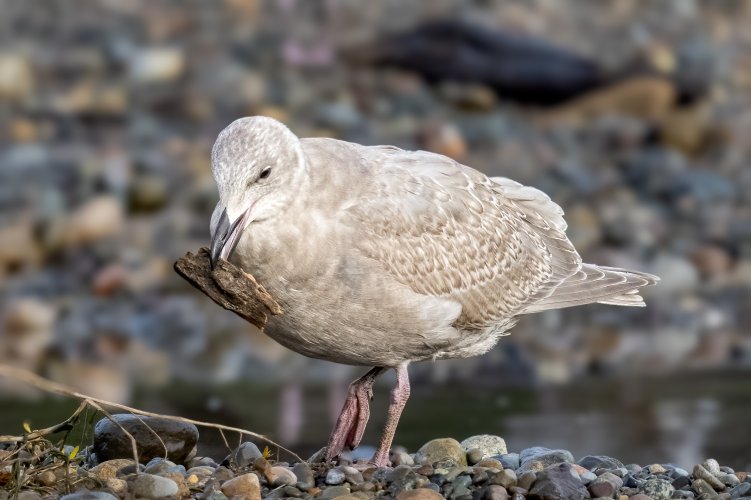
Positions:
{"x": 520, "y": 68}
{"x": 228, "y": 286}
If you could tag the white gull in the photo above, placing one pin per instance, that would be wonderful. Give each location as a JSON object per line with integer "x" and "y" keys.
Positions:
{"x": 381, "y": 257}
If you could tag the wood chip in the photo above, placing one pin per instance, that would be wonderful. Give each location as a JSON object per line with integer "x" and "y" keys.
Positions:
{"x": 229, "y": 286}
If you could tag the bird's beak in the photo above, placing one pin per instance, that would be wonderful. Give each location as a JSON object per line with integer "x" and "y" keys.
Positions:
{"x": 226, "y": 237}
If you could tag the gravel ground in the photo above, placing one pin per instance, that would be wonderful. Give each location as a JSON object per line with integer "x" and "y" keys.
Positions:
{"x": 479, "y": 467}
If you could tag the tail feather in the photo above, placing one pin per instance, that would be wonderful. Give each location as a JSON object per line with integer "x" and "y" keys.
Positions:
{"x": 603, "y": 285}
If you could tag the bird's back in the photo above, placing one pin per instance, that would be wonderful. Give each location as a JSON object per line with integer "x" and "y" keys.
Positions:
{"x": 444, "y": 229}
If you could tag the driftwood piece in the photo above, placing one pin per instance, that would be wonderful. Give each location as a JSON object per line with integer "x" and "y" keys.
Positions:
{"x": 229, "y": 286}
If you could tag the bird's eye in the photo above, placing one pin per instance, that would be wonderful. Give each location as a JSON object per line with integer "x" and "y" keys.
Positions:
{"x": 265, "y": 173}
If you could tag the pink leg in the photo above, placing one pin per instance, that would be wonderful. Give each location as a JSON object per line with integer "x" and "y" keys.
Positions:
{"x": 351, "y": 423}
{"x": 399, "y": 397}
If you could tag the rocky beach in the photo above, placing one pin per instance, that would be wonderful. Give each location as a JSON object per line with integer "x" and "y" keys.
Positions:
{"x": 477, "y": 468}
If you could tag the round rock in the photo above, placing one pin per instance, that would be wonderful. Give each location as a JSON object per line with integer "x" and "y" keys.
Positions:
{"x": 658, "y": 489}
{"x": 110, "y": 442}
{"x": 488, "y": 445}
{"x": 150, "y": 486}
{"x": 244, "y": 487}
{"x": 439, "y": 450}
{"x": 558, "y": 482}
{"x": 89, "y": 495}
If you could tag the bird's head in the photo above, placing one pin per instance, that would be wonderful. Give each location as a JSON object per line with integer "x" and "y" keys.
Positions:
{"x": 255, "y": 162}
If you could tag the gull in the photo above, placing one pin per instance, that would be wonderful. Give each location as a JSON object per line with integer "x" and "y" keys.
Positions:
{"x": 382, "y": 257}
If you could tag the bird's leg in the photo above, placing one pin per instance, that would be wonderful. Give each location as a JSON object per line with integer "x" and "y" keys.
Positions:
{"x": 399, "y": 397}
{"x": 353, "y": 418}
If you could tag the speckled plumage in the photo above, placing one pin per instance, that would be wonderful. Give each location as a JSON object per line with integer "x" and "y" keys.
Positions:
{"x": 380, "y": 256}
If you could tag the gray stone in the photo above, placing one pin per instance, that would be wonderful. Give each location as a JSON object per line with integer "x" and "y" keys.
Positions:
{"x": 678, "y": 472}
{"x": 460, "y": 492}
{"x": 702, "y": 473}
{"x": 539, "y": 458}
{"x": 438, "y": 450}
{"x": 712, "y": 466}
{"x": 282, "y": 476}
{"x": 335, "y": 491}
{"x": 488, "y": 445}
{"x": 509, "y": 460}
{"x": 587, "y": 477}
{"x": 594, "y": 462}
{"x": 305, "y": 478}
{"x": 89, "y": 495}
{"x": 606, "y": 485}
{"x": 246, "y": 454}
{"x": 506, "y": 478}
{"x": 401, "y": 457}
{"x": 150, "y": 486}
{"x": 28, "y": 495}
{"x": 526, "y": 480}
{"x": 558, "y": 482}
{"x": 729, "y": 480}
{"x": 659, "y": 489}
{"x": 474, "y": 456}
{"x": 495, "y": 492}
{"x": 701, "y": 487}
{"x": 335, "y": 476}
{"x": 110, "y": 442}
{"x": 742, "y": 490}
{"x": 352, "y": 475}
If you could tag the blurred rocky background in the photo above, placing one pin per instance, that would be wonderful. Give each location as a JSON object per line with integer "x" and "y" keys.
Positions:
{"x": 633, "y": 116}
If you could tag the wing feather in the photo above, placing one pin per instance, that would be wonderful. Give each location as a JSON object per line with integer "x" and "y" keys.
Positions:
{"x": 444, "y": 229}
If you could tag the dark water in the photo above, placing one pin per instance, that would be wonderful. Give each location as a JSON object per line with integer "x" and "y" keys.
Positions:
{"x": 681, "y": 419}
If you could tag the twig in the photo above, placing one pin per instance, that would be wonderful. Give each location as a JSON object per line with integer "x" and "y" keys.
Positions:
{"x": 53, "y": 387}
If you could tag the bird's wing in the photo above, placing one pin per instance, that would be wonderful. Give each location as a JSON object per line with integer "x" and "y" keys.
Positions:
{"x": 444, "y": 229}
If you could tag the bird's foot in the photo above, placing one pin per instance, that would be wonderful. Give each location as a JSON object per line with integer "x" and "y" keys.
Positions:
{"x": 350, "y": 426}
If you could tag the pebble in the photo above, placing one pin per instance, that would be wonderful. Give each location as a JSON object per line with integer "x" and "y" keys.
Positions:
{"x": 743, "y": 489}
{"x": 28, "y": 495}
{"x": 712, "y": 466}
{"x": 282, "y": 476}
{"x": 509, "y": 460}
{"x": 495, "y": 492}
{"x": 656, "y": 469}
{"x": 702, "y": 473}
{"x": 538, "y": 458}
{"x": 244, "y": 487}
{"x": 439, "y": 450}
{"x": 47, "y": 478}
{"x": 506, "y": 478}
{"x": 335, "y": 476}
{"x": 110, "y": 442}
{"x": 488, "y": 445}
{"x": 89, "y": 495}
{"x": 658, "y": 489}
{"x": 701, "y": 487}
{"x": 558, "y": 482}
{"x": 400, "y": 457}
{"x": 336, "y": 491}
{"x": 110, "y": 468}
{"x": 98, "y": 218}
{"x": 526, "y": 480}
{"x": 419, "y": 494}
{"x": 593, "y": 462}
{"x": 156, "y": 65}
{"x": 605, "y": 485}
{"x": 150, "y": 486}
{"x": 304, "y": 474}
